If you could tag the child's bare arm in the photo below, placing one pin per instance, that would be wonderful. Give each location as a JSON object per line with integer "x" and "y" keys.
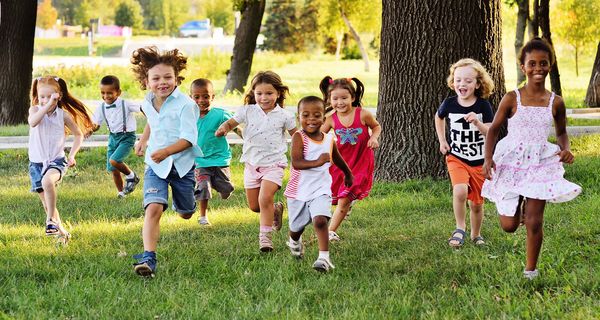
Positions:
{"x": 504, "y": 111}
{"x": 297, "y": 156}
{"x": 560, "y": 124}
{"x": 326, "y": 126}
{"x": 471, "y": 117}
{"x": 440, "y": 130}
{"x": 225, "y": 127}
{"x": 341, "y": 163}
{"x": 369, "y": 120}
{"x": 78, "y": 138}
{"x": 140, "y": 147}
{"x": 161, "y": 154}
{"x": 36, "y": 114}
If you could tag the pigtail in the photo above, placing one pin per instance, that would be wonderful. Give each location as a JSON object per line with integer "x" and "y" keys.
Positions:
{"x": 324, "y": 87}
{"x": 76, "y": 108}
{"x": 34, "y": 93}
{"x": 360, "y": 91}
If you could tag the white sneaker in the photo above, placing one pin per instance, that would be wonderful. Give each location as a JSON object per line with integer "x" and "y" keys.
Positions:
{"x": 333, "y": 236}
{"x": 203, "y": 221}
{"x": 530, "y": 275}
{"x": 121, "y": 195}
{"x": 323, "y": 265}
{"x": 296, "y": 248}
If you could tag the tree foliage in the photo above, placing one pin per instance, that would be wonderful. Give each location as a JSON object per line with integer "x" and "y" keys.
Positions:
{"x": 175, "y": 14}
{"x": 129, "y": 14}
{"x": 46, "y": 15}
{"x": 281, "y": 29}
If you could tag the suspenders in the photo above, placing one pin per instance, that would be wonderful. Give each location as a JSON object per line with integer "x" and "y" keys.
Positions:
{"x": 124, "y": 116}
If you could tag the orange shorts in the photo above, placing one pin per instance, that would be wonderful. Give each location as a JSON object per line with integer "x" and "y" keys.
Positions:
{"x": 462, "y": 173}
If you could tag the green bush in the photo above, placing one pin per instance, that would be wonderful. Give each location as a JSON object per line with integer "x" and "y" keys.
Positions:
{"x": 351, "y": 52}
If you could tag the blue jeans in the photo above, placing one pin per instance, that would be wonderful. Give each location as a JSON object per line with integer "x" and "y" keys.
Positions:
{"x": 156, "y": 190}
{"x": 36, "y": 174}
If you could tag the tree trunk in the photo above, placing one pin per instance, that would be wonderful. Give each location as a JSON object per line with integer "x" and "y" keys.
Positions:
{"x": 414, "y": 61}
{"x": 522, "y": 19}
{"x": 244, "y": 45}
{"x": 576, "y": 61}
{"x": 17, "y": 32}
{"x": 339, "y": 36}
{"x": 592, "y": 97}
{"x": 535, "y": 22}
{"x": 544, "y": 20}
{"x": 356, "y": 37}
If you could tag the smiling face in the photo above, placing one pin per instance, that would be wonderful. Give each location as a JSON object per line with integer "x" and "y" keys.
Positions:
{"x": 161, "y": 80}
{"x": 265, "y": 95}
{"x": 341, "y": 100}
{"x": 44, "y": 92}
{"x": 203, "y": 96}
{"x": 109, "y": 93}
{"x": 311, "y": 116}
{"x": 465, "y": 82}
{"x": 536, "y": 66}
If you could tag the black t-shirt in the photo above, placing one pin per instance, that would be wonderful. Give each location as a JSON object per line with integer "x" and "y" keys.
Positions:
{"x": 465, "y": 140}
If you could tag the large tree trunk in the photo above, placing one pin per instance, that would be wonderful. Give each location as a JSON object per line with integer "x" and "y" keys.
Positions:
{"x": 244, "y": 45}
{"x": 17, "y": 32}
{"x": 544, "y": 20}
{"x": 356, "y": 37}
{"x": 535, "y": 22}
{"x": 592, "y": 97}
{"x": 414, "y": 61}
{"x": 522, "y": 20}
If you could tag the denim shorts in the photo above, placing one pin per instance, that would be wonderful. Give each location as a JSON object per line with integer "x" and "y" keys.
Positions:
{"x": 37, "y": 172}
{"x": 156, "y": 190}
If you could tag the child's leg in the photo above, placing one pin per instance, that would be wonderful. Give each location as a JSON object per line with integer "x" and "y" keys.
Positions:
{"x": 151, "y": 229}
{"x": 341, "y": 210}
{"x": 511, "y": 223}
{"x": 534, "y": 221}
{"x": 117, "y": 179}
{"x": 322, "y": 232}
{"x": 49, "y": 184}
{"x": 121, "y": 167}
{"x": 252, "y": 198}
{"x": 459, "y": 204}
{"x": 476, "y": 219}
{"x": 266, "y": 198}
{"x": 203, "y": 205}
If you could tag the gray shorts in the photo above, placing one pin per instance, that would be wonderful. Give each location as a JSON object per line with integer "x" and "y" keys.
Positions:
{"x": 301, "y": 213}
{"x": 218, "y": 178}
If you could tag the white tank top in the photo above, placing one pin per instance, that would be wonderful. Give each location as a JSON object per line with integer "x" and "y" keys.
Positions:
{"x": 47, "y": 139}
{"x": 308, "y": 184}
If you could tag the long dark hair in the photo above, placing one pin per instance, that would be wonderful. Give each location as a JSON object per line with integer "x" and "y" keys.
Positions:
{"x": 328, "y": 84}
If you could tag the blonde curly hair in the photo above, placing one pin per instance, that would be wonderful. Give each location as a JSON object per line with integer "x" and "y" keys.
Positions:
{"x": 486, "y": 84}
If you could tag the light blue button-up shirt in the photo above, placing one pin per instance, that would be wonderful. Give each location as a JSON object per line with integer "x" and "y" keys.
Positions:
{"x": 176, "y": 120}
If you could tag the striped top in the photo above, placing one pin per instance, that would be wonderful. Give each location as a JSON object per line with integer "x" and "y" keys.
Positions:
{"x": 308, "y": 184}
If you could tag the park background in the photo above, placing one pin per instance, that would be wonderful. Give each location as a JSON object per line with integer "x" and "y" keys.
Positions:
{"x": 393, "y": 262}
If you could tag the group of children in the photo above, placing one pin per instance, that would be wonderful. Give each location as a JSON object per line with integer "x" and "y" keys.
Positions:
{"x": 185, "y": 148}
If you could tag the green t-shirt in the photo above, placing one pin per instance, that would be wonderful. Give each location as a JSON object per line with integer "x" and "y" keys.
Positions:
{"x": 215, "y": 149}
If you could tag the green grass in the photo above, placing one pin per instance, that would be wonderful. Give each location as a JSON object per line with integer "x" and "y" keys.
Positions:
{"x": 393, "y": 261}
{"x": 583, "y": 122}
{"x": 105, "y": 46}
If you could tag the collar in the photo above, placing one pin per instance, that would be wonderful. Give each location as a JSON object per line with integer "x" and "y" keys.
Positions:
{"x": 174, "y": 95}
{"x": 115, "y": 103}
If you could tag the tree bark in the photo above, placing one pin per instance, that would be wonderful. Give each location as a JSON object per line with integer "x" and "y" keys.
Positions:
{"x": 535, "y": 22}
{"x": 544, "y": 20}
{"x": 592, "y": 97}
{"x": 522, "y": 19}
{"x": 339, "y": 36}
{"x": 17, "y": 32}
{"x": 244, "y": 45}
{"x": 356, "y": 37}
{"x": 414, "y": 61}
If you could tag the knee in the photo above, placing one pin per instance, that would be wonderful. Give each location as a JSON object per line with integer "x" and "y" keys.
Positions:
{"x": 533, "y": 224}
{"x": 460, "y": 194}
{"x": 509, "y": 225}
{"x": 254, "y": 208}
{"x": 154, "y": 211}
{"x": 185, "y": 216}
{"x": 47, "y": 183}
{"x": 113, "y": 162}
{"x": 320, "y": 222}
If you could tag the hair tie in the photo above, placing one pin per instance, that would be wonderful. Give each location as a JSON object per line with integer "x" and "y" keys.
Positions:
{"x": 56, "y": 79}
{"x": 349, "y": 79}
{"x": 330, "y": 81}
{"x": 38, "y": 78}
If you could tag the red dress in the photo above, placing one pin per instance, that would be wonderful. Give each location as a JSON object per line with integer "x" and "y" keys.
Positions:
{"x": 352, "y": 144}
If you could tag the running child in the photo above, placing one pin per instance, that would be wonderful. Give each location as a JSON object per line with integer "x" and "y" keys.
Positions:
{"x": 54, "y": 114}
{"x": 264, "y": 149}
{"x": 309, "y": 189}
{"x": 468, "y": 115}
{"x": 357, "y": 133}
{"x": 525, "y": 171}
{"x": 119, "y": 117}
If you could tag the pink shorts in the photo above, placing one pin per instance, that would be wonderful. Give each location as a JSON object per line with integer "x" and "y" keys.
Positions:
{"x": 254, "y": 175}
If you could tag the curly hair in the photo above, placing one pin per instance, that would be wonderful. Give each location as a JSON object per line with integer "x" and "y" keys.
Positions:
{"x": 268, "y": 77}
{"x": 144, "y": 59}
{"x": 486, "y": 84}
{"x": 328, "y": 84}
{"x": 536, "y": 43}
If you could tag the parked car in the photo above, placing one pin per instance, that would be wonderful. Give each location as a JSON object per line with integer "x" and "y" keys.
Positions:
{"x": 196, "y": 28}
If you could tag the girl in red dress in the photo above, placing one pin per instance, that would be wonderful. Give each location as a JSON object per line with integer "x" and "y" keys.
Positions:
{"x": 357, "y": 134}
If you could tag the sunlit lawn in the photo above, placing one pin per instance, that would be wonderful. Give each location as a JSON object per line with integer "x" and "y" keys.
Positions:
{"x": 393, "y": 261}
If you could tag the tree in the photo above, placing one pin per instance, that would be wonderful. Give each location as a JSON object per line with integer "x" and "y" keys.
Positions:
{"x": 175, "y": 13}
{"x": 309, "y": 25}
{"x": 523, "y": 20}
{"x": 544, "y": 21}
{"x": 17, "y": 36}
{"x": 244, "y": 44}
{"x": 153, "y": 16}
{"x": 592, "y": 97}
{"x": 220, "y": 13}
{"x": 46, "y": 15}
{"x": 578, "y": 24}
{"x": 128, "y": 14}
{"x": 359, "y": 8}
{"x": 414, "y": 61}
{"x": 281, "y": 29}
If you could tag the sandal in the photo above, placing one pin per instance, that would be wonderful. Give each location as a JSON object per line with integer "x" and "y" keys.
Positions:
{"x": 478, "y": 241}
{"x": 63, "y": 239}
{"x": 51, "y": 228}
{"x": 454, "y": 237}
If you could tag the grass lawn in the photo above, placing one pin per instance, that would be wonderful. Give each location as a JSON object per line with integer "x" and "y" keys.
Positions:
{"x": 393, "y": 261}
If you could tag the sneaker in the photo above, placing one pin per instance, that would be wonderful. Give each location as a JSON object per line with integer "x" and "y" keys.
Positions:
{"x": 145, "y": 265}
{"x": 530, "y": 275}
{"x": 296, "y": 248}
{"x": 130, "y": 184}
{"x": 333, "y": 236}
{"x": 120, "y": 195}
{"x": 264, "y": 242}
{"x": 203, "y": 221}
{"x": 323, "y": 265}
{"x": 63, "y": 238}
{"x": 278, "y": 216}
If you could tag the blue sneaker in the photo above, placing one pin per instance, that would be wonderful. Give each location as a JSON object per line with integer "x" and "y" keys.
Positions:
{"x": 146, "y": 264}
{"x": 130, "y": 184}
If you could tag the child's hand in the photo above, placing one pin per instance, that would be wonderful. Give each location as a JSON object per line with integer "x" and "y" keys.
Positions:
{"x": 71, "y": 161}
{"x": 444, "y": 148}
{"x": 159, "y": 155}
{"x": 324, "y": 158}
{"x": 140, "y": 148}
{"x": 566, "y": 156}
{"x": 471, "y": 117}
{"x": 488, "y": 169}
{"x": 373, "y": 143}
{"x": 348, "y": 180}
{"x": 220, "y": 132}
